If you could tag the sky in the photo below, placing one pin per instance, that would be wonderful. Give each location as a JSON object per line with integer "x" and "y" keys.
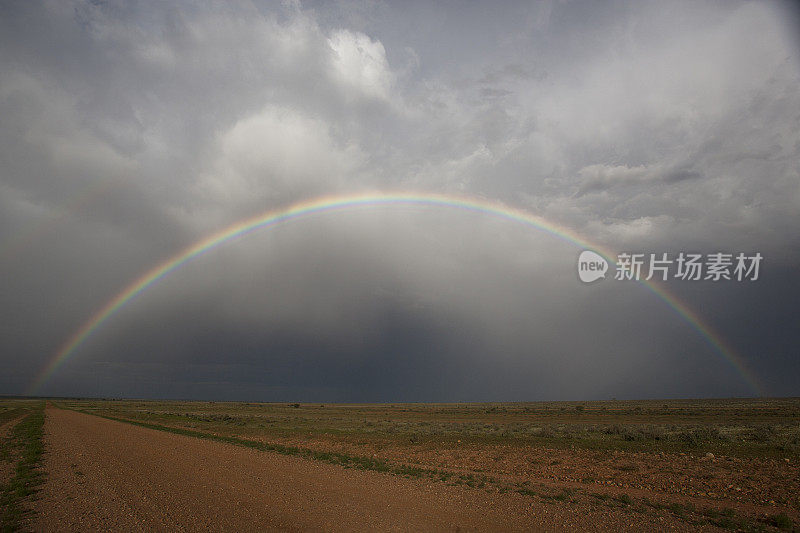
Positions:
{"x": 130, "y": 131}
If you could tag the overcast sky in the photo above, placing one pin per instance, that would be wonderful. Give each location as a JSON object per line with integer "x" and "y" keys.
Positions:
{"x": 130, "y": 130}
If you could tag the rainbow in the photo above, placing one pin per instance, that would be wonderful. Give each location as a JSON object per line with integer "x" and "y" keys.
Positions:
{"x": 330, "y": 204}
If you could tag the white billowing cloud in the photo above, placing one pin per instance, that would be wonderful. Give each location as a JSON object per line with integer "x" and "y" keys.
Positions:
{"x": 673, "y": 86}
{"x": 682, "y": 134}
{"x": 275, "y": 153}
{"x": 359, "y": 63}
{"x": 453, "y": 174}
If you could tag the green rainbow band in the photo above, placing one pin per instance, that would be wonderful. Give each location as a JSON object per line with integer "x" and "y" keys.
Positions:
{"x": 339, "y": 203}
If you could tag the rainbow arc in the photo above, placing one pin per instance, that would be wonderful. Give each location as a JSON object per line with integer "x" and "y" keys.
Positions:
{"x": 339, "y": 203}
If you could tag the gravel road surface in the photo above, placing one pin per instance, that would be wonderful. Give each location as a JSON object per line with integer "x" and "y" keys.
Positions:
{"x": 105, "y": 475}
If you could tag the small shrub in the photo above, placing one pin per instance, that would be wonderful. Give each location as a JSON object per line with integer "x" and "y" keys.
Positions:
{"x": 624, "y": 499}
{"x": 781, "y": 521}
{"x": 562, "y": 496}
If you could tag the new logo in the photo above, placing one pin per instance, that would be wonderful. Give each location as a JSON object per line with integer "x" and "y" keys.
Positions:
{"x": 591, "y": 266}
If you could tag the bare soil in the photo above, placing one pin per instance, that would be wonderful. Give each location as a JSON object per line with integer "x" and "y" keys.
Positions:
{"x": 107, "y": 475}
{"x": 755, "y": 486}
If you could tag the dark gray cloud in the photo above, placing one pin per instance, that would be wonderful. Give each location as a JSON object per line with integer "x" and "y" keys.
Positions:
{"x": 131, "y": 130}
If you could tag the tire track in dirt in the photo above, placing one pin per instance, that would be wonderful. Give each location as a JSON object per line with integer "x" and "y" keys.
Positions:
{"x": 108, "y": 475}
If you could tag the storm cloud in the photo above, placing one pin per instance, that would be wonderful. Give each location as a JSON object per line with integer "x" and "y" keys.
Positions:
{"x": 131, "y": 130}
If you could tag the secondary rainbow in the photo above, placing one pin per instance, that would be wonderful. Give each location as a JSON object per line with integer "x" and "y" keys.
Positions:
{"x": 345, "y": 202}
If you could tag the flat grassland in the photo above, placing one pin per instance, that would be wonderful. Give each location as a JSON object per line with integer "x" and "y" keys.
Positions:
{"x": 20, "y": 459}
{"x": 729, "y": 463}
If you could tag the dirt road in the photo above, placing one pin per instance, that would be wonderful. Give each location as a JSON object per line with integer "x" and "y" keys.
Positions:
{"x": 107, "y": 475}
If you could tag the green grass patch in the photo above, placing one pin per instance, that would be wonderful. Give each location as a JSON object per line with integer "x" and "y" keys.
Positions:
{"x": 527, "y": 492}
{"x": 781, "y": 521}
{"x": 25, "y": 442}
{"x": 623, "y": 499}
{"x": 10, "y": 414}
{"x": 563, "y": 496}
